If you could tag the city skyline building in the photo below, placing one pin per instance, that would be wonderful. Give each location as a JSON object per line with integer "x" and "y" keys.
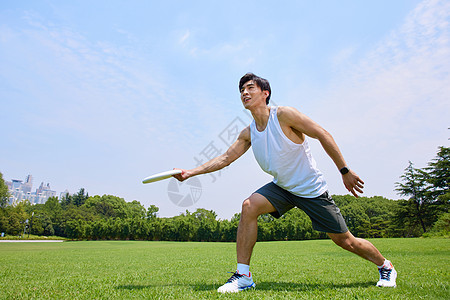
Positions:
{"x": 21, "y": 190}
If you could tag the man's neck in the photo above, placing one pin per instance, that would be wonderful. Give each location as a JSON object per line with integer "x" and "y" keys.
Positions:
{"x": 261, "y": 116}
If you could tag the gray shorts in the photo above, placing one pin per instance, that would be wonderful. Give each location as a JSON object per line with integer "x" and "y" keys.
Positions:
{"x": 322, "y": 211}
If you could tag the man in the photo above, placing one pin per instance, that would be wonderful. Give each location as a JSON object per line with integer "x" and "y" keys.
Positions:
{"x": 278, "y": 139}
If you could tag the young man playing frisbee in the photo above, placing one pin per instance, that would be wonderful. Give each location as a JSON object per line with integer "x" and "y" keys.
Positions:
{"x": 277, "y": 136}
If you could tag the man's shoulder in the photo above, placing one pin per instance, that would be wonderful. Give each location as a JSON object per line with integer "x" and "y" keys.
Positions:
{"x": 245, "y": 133}
{"x": 286, "y": 111}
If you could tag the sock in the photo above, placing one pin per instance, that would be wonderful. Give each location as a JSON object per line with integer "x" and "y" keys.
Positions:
{"x": 243, "y": 269}
{"x": 387, "y": 264}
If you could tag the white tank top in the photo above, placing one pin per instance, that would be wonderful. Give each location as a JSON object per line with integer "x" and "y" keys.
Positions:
{"x": 291, "y": 165}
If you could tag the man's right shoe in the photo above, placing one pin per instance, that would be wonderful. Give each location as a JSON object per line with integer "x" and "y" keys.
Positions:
{"x": 236, "y": 283}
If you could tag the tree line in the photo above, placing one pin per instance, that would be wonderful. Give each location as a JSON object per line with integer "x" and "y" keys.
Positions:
{"x": 80, "y": 216}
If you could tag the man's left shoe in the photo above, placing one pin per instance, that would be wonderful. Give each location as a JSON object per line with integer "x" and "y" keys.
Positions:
{"x": 387, "y": 277}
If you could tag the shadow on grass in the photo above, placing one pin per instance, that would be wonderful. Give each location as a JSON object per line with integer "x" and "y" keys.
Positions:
{"x": 289, "y": 286}
{"x": 261, "y": 286}
{"x": 133, "y": 287}
{"x": 144, "y": 286}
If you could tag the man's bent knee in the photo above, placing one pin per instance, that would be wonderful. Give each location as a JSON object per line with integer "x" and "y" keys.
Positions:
{"x": 256, "y": 205}
{"x": 246, "y": 208}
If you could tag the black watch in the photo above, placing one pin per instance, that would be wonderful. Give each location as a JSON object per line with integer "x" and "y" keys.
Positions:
{"x": 344, "y": 170}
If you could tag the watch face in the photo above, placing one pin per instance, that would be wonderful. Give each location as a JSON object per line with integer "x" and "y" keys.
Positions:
{"x": 344, "y": 170}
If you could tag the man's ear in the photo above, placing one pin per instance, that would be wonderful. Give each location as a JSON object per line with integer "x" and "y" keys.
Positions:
{"x": 267, "y": 93}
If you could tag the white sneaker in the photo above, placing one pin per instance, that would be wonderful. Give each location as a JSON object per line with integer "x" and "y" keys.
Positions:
{"x": 387, "y": 277}
{"x": 236, "y": 283}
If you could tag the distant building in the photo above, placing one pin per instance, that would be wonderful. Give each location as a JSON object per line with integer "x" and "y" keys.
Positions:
{"x": 27, "y": 185}
{"x": 16, "y": 184}
{"x": 21, "y": 191}
{"x": 64, "y": 194}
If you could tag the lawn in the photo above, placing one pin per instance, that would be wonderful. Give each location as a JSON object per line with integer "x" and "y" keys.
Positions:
{"x": 177, "y": 270}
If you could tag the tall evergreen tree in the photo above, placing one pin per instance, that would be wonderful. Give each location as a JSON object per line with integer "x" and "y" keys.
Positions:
{"x": 439, "y": 173}
{"x": 428, "y": 189}
{"x": 415, "y": 185}
{"x": 79, "y": 198}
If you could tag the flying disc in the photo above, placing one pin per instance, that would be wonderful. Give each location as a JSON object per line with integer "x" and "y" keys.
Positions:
{"x": 161, "y": 176}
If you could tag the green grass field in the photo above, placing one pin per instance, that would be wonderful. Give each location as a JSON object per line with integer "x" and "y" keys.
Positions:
{"x": 175, "y": 270}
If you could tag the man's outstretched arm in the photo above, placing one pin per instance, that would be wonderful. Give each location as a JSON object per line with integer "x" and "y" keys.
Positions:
{"x": 304, "y": 124}
{"x": 239, "y": 147}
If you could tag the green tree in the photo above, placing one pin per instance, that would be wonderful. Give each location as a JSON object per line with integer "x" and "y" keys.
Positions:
{"x": 426, "y": 189}
{"x": 107, "y": 206}
{"x": 439, "y": 173}
{"x": 442, "y": 226}
{"x": 54, "y": 210}
{"x": 152, "y": 212}
{"x": 381, "y": 212}
{"x": 187, "y": 227}
{"x": 356, "y": 219}
{"x": 66, "y": 200}
{"x": 153, "y": 222}
{"x": 228, "y": 229}
{"x": 76, "y": 229}
{"x": 12, "y": 218}
{"x": 79, "y": 198}
{"x": 77, "y": 219}
{"x": 368, "y": 217}
{"x": 207, "y": 229}
{"x": 135, "y": 209}
{"x": 139, "y": 229}
{"x": 4, "y": 193}
{"x": 415, "y": 185}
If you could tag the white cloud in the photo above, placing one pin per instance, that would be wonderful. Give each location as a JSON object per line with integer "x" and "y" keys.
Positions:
{"x": 184, "y": 38}
{"x": 102, "y": 84}
{"x": 392, "y": 105}
{"x": 344, "y": 56}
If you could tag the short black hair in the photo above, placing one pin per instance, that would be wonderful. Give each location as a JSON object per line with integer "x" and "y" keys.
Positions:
{"x": 262, "y": 83}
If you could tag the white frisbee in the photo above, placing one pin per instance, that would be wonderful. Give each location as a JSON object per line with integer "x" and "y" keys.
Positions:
{"x": 161, "y": 176}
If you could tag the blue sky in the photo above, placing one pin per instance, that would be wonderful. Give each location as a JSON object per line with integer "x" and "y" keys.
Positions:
{"x": 100, "y": 94}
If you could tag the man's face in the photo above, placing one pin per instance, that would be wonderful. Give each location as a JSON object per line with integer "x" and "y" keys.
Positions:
{"x": 252, "y": 94}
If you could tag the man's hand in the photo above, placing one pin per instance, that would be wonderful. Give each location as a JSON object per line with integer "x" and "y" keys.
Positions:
{"x": 185, "y": 174}
{"x": 353, "y": 183}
